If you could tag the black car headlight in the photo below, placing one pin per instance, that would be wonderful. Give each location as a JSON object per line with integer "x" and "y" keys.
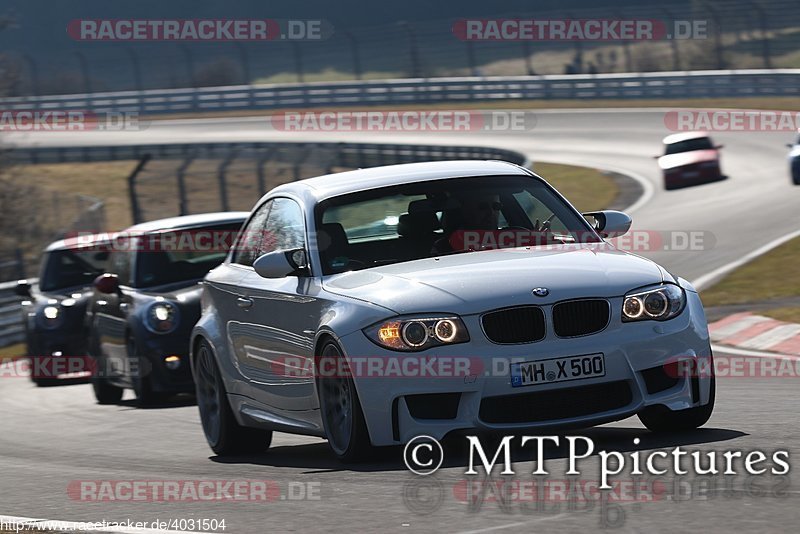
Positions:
{"x": 51, "y": 316}
{"x": 412, "y": 334}
{"x": 658, "y": 303}
{"x": 161, "y": 317}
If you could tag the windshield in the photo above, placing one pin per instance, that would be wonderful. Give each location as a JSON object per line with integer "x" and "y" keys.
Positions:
{"x": 421, "y": 220}
{"x": 71, "y": 268}
{"x": 700, "y": 143}
{"x": 182, "y": 255}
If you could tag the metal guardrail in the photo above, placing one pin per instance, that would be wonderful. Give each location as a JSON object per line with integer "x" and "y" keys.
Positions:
{"x": 688, "y": 84}
{"x": 352, "y": 155}
{"x": 11, "y": 328}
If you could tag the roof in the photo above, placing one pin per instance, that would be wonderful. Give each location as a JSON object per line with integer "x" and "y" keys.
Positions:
{"x": 683, "y": 136}
{"x": 335, "y": 184}
{"x": 85, "y": 239}
{"x": 190, "y": 221}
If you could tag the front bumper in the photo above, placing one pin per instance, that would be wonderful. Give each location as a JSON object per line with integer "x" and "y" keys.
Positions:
{"x": 692, "y": 176}
{"x": 162, "y": 379}
{"x": 58, "y": 353}
{"x": 473, "y": 401}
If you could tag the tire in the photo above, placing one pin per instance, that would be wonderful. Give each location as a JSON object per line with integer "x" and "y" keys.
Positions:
{"x": 142, "y": 386}
{"x": 662, "y": 419}
{"x": 224, "y": 434}
{"x": 342, "y": 416}
{"x": 145, "y": 396}
{"x": 104, "y": 392}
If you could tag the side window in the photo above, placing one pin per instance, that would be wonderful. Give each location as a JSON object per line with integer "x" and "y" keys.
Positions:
{"x": 249, "y": 243}
{"x": 285, "y": 227}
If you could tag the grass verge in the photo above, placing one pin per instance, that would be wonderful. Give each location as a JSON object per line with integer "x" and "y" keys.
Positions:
{"x": 771, "y": 277}
{"x": 587, "y": 189}
{"x": 11, "y": 352}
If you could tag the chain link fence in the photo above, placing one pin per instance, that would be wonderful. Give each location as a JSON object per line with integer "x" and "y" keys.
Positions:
{"x": 741, "y": 34}
{"x": 33, "y": 217}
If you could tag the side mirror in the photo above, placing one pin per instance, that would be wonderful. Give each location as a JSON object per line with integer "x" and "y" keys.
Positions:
{"x": 610, "y": 223}
{"x": 23, "y": 289}
{"x": 107, "y": 283}
{"x": 789, "y": 145}
{"x": 719, "y": 147}
{"x": 280, "y": 263}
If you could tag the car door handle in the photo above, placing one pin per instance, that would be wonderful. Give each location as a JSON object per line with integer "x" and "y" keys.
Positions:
{"x": 243, "y": 302}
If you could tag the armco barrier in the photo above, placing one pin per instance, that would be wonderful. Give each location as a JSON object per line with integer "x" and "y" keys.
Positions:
{"x": 11, "y": 327}
{"x": 688, "y": 84}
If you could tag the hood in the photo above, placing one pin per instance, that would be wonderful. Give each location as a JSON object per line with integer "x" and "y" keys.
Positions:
{"x": 687, "y": 158}
{"x": 475, "y": 282}
{"x": 177, "y": 292}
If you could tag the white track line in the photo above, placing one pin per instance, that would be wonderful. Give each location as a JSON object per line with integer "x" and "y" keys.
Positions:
{"x": 54, "y": 525}
{"x": 750, "y": 352}
{"x": 707, "y": 278}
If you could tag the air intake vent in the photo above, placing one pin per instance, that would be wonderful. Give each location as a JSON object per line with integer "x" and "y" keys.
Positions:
{"x": 580, "y": 317}
{"x": 524, "y": 324}
{"x": 564, "y": 403}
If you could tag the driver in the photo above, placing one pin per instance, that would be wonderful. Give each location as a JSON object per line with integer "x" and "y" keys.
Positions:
{"x": 478, "y": 211}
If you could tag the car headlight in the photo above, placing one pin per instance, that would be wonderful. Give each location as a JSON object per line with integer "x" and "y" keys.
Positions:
{"x": 412, "y": 334}
{"x": 51, "y": 316}
{"x": 658, "y": 303}
{"x": 161, "y": 317}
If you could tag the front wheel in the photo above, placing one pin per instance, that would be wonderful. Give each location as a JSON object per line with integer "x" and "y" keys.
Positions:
{"x": 342, "y": 415}
{"x": 142, "y": 385}
{"x": 104, "y": 392}
{"x": 662, "y": 419}
{"x": 223, "y": 433}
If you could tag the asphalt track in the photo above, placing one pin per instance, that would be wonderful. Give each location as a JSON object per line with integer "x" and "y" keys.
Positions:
{"x": 51, "y": 437}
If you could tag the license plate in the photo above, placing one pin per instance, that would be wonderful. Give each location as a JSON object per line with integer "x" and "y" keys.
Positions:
{"x": 691, "y": 174}
{"x": 557, "y": 370}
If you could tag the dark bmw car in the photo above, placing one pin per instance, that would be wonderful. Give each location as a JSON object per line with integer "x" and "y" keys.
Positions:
{"x": 54, "y": 308}
{"x": 794, "y": 161}
{"x": 145, "y": 305}
{"x": 690, "y": 158}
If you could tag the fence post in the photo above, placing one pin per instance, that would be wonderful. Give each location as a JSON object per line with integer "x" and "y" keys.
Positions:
{"x": 262, "y": 187}
{"x": 136, "y": 215}
{"x": 137, "y": 78}
{"x": 762, "y": 22}
{"x": 356, "y": 56}
{"x": 676, "y": 60}
{"x": 34, "y": 74}
{"x": 183, "y": 204}
{"x": 413, "y": 52}
{"x": 20, "y": 260}
{"x": 473, "y": 68}
{"x": 87, "y": 84}
{"x": 717, "y": 34}
{"x": 526, "y": 56}
{"x": 223, "y": 186}
{"x": 298, "y": 61}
